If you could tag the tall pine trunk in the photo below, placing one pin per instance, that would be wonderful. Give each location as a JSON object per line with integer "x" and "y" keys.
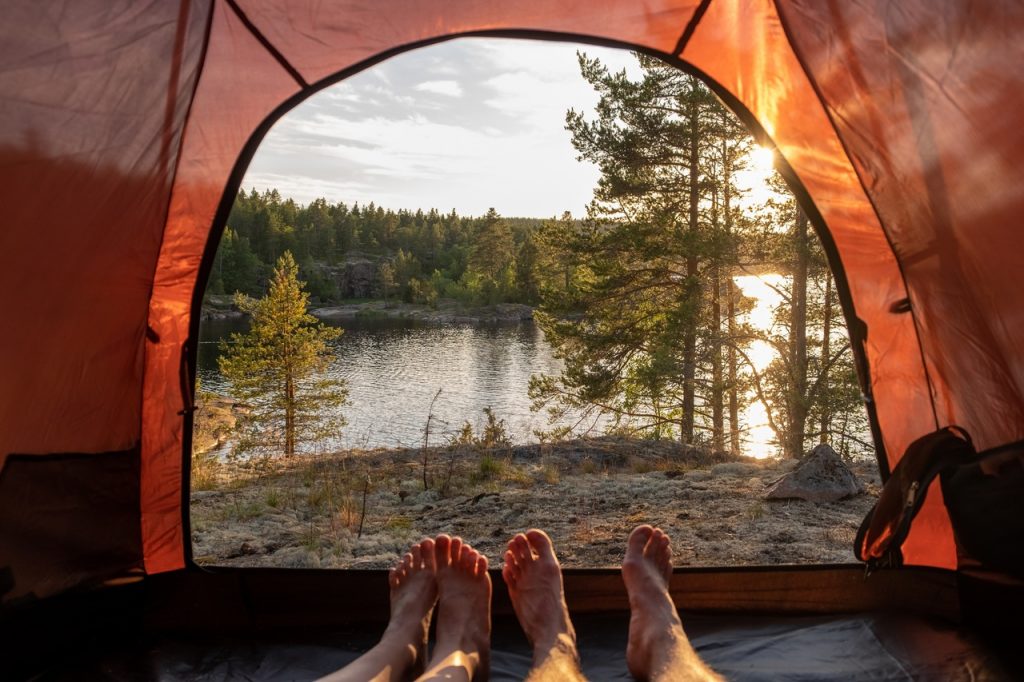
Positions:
{"x": 692, "y": 285}
{"x": 798, "y": 339}
{"x": 717, "y": 387}
{"x": 289, "y": 415}
{"x": 730, "y": 294}
{"x": 826, "y": 353}
{"x": 733, "y": 362}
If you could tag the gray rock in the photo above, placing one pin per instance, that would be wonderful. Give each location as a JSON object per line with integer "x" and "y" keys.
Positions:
{"x": 355, "y": 278}
{"x": 822, "y": 476}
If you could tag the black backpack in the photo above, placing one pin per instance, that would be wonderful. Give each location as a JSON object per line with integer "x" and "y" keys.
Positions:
{"x": 984, "y": 494}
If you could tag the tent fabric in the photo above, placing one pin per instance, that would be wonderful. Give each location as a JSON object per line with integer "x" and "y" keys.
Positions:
{"x": 125, "y": 127}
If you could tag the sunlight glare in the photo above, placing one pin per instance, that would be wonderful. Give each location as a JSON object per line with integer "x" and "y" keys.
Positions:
{"x": 753, "y": 180}
{"x": 762, "y": 160}
{"x": 764, "y": 291}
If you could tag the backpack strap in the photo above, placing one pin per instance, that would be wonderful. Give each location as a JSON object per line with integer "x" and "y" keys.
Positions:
{"x": 879, "y": 541}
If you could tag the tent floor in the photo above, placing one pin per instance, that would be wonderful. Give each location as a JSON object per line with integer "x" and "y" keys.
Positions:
{"x": 849, "y": 647}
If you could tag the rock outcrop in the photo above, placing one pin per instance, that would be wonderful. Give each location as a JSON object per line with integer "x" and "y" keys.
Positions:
{"x": 821, "y": 477}
{"x": 358, "y": 278}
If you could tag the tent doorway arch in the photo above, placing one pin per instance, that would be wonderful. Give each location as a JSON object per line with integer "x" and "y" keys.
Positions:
{"x": 121, "y": 114}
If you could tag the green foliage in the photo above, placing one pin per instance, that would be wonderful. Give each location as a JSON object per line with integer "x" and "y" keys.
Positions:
{"x": 638, "y": 299}
{"x": 278, "y": 369}
{"x": 421, "y": 257}
{"x": 490, "y": 467}
{"x": 634, "y": 303}
{"x": 495, "y": 433}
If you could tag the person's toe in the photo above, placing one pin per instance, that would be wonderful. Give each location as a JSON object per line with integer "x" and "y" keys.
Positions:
{"x": 417, "y": 557}
{"x": 654, "y": 543}
{"x": 481, "y": 565}
{"x": 442, "y": 550}
{"x": 541, "y": 544}
{"x": 521, "y": 548}
{"x": 638, "y": 540}
{"x": 508, "y": 574}
{"x": 429, "y": 553}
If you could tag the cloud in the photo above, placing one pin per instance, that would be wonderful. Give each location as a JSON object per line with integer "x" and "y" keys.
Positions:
{"x": 466, "y": 124}
{"x": 448, "y": 88}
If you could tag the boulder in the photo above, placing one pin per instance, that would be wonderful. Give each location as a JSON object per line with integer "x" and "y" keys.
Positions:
{"x": 822, "y": 476}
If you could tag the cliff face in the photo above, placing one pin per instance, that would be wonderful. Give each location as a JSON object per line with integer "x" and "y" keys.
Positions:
{"x": 357, "y": 277}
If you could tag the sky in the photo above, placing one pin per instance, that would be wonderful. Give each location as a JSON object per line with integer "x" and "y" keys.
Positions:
{"x": 467, "y": 124}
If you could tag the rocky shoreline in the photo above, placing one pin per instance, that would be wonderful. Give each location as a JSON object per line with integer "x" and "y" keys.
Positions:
{"x": 447, "y": 311}
{"x": 361, "y": 509}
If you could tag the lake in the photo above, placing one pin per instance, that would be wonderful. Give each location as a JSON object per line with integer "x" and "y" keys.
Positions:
{"x": 393, "y": 369}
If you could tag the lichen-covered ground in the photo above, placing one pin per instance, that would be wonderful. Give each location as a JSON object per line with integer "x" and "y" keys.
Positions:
{"x": 306, "y": 511}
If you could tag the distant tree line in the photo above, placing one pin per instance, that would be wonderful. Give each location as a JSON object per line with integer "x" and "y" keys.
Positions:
{"x": 419, "y": 256}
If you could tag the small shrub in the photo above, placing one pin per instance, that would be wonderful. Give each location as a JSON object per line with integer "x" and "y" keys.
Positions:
{"x": 348, "y": 511}
{"x": 242, "y": 511}
{"x": 398, "y": 523}
{"x": 465, "y": 436}
{"x": 273, "y": 498}
{"x": 490, "y": 467}
{"x": 518, "y": 476}
{"x": 588, "y": 466}
{"x": 495, "y": 433}
{"x": 311, "y": 539}
{"x": 755, "y": 511}
{"x": 317, "y": 497}
{"x": 549, "y": 474}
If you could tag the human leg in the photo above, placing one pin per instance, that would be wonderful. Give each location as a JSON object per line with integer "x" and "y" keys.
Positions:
{"x": 401, "y": 651}
{"x": 462, "y": 649}
{"x": 658, "y": 648}
{"x": 534, "y": 579}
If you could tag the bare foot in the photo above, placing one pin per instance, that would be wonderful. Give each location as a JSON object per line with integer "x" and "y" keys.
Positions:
{"x": 462, "y": 650}
{"x": 534, "y": 579}
{"x": 413, "y": 595}
{"x": 658, "y": 647}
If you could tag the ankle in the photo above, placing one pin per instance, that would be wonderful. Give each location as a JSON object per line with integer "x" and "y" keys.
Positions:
{"x": 560, "y": 644}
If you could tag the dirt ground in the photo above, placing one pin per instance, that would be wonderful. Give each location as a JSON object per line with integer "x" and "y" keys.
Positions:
{"x": 306, "y": 511}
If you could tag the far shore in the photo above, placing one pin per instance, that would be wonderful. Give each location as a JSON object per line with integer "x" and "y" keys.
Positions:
{"x": 445, "y": 311}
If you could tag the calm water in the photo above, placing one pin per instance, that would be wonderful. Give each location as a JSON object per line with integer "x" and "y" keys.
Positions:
{"x": 393, "y": 368}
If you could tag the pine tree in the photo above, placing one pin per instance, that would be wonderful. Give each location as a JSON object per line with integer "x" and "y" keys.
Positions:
{"x": 641, "y": 329}
{"x": 278, "y": 369}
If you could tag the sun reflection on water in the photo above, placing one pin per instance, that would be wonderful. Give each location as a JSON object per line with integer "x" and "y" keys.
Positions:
{"x": 759, "y": 439}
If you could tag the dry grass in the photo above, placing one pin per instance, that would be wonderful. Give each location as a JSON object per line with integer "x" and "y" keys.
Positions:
{"x": 206, "y": 471}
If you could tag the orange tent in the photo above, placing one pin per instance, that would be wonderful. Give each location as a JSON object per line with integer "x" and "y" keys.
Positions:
{"x": 127, "y": 126}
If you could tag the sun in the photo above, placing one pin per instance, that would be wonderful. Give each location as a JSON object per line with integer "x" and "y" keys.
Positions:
{"x": 762, "y": 160}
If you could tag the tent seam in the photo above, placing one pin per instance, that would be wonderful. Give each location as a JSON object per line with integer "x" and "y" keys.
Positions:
{"x": 691, "y": 27}
{"x": 267, "y": 45}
